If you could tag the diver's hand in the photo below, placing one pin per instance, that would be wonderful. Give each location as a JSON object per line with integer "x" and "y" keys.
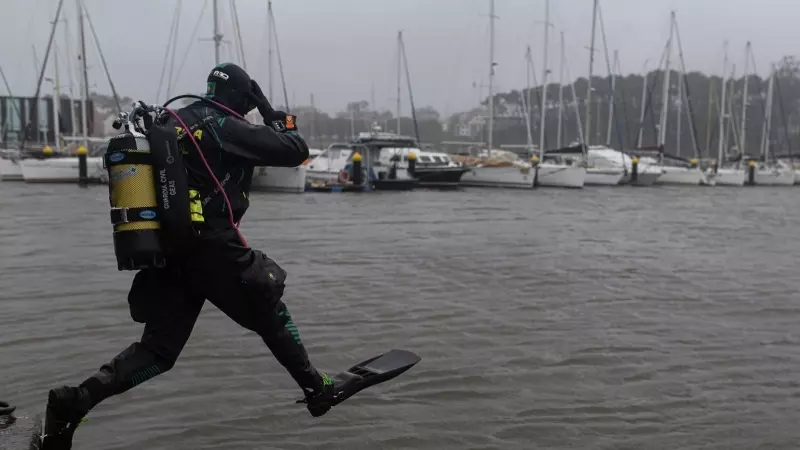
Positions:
{"x": 263, "y": 105}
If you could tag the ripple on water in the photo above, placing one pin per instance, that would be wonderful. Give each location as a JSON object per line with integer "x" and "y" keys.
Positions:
{"x": 601, "y": 319}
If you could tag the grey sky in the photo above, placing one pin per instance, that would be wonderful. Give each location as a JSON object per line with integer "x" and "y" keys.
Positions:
{"x": 336, "y": 49}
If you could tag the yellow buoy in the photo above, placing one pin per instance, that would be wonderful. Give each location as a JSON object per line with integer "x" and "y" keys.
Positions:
{"x": 535, "y": 159}
{"x": 412, "y": 156}
{"x": 635, "y": 160}
{"x": 693, "y": 162}
{"x": 81, "y": 150}
{"x": 751, "y": 164}
{"x": 47, "y": 150}
{"x": 356, "y": 157}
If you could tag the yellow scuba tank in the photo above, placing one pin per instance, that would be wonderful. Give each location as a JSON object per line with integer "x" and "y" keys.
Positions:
{"x": 134, "y": 207}
{"x": 148, "y": 192}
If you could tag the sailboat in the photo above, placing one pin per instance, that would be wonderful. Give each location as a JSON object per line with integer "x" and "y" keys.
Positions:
{"x": 601, "y": 171}
{"x": 770, "y": 172}
{"x": 65, "y": 169}
{"x": 675, "y": 170}
{"x": 724, "y": 174}
{"x": 555, "y": 169}
{"x": 492, "y": 167}
{"x": 606, "y": 166}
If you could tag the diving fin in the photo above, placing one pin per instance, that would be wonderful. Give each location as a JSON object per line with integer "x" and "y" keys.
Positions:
{"x": 369, "y": 373}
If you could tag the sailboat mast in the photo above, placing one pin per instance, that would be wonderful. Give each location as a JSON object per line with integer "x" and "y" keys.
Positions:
{"x": 743, "y": 133}
{"x": 491, "y": 75}
{"x": 642, "y": 107}
{"x": 612, "y": 97}
{"x": 559, "y": 126}
{"x": 71, "y": 79}
{"x": 723, "y": 104}
{"x": 269, "y": 44}
{"x": 543, "y": 107}
{"x": 238, "y": 29}
{"x": 662, "y": 132}
{"x": 588, "y": 133}
{"x": 85, "y": 90}
{"x": 679, "y": 114}
{"x": 399, "y": 78}
{"x": 56, "y": 102}
{"x": 768, "y": 119}
{"x": 410, "y": 93}
{"x": 313, "y": 133}
{"x": 217, "y": 36}
{"x": 526, "y": 99}
{"x": 581, "y": 137}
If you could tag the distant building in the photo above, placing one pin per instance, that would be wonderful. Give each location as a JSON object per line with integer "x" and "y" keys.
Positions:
{"x": 20, "y": 118}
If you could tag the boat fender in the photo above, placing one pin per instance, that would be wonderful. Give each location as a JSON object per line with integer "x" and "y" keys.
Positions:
{"x": 344, "y": 176}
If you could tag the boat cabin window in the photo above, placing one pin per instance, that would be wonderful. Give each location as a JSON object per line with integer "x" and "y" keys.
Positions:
{"x": 424, "y": 158}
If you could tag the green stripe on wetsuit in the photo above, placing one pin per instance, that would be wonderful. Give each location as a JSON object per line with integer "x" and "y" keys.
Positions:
{"x": 290, "y": 326}
{"x": 146, "y": 374}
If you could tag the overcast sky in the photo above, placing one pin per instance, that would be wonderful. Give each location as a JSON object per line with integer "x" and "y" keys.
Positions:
{"x": 339, "y": 49}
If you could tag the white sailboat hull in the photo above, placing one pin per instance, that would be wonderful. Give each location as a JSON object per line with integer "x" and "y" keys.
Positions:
{"x": 605, "y": 158}
{"x": 774, "y": 177}
{"x": 10, "y": 170}
{"x": 61, "y": 170}
{"x": 682, "y": 176}
{"x": 280, "y": 179}
{"x": 561, "y": 175}
{"x": 729, "y": 177}
{"x": 508, "y": 177}
{"x": 603, "y": 177}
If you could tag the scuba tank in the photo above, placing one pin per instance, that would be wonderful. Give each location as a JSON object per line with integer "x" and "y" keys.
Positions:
{"x": 148, "y": 191}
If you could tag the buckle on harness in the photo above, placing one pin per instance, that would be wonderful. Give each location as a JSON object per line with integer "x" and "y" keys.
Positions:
{"x": 119, "y": 216}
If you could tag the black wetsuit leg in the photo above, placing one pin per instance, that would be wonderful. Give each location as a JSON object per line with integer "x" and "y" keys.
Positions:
{"x": 168, "y": 306}
{"x": 250, "y": 293}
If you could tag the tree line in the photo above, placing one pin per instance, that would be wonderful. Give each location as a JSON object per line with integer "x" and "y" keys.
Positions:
{"x": 699, "y": 119}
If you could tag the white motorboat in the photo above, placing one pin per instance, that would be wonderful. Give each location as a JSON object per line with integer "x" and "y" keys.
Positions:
{"x": 327, "y": 166}
{"x": 280, "y": 179}
{"x": 433, "y": 169}
{"x": 334, "y": 165}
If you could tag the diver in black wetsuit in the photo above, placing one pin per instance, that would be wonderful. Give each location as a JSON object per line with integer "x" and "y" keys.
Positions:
{"x": 244, "y": 283}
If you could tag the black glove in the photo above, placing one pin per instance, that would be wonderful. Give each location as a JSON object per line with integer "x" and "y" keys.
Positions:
{"x": 258, "y": 97}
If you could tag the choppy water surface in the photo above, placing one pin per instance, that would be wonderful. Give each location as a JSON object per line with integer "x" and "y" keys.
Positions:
{"x": 596, "y": 319}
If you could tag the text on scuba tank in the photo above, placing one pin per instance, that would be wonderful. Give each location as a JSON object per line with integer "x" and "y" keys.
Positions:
{"x": 119, "y": 175}
{"x": 167, "y": 187}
